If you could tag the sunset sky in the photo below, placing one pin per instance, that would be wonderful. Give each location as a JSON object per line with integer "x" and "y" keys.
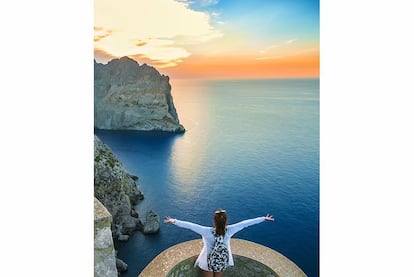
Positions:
{"x": 212, "y": 38}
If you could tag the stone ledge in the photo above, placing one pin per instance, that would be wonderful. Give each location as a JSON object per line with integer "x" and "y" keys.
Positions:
{"x": 102, "y": 218}
{"x": 168, "y": 259}
{"x": 100, "y": 212}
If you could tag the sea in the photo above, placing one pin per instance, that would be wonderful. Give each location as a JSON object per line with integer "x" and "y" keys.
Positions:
{"x": 251, "y": 147}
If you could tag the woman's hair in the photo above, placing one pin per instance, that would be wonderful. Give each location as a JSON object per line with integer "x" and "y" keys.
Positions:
{"x": 220, "y": 221}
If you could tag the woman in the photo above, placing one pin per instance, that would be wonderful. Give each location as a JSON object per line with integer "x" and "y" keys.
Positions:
{"x": 215, "y": 239}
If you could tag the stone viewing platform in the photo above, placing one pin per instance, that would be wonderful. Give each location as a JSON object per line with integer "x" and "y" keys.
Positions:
{"x": 250, "y": 259}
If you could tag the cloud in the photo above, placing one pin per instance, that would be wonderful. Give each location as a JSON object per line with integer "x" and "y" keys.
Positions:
{"x": 163, "y": 50}
{"x": 290, "y": 41}
{"x": 268, "y": 48}
{"x": 208, "y": 2}
{"x": 160, "y": 30}
{"x": 100, "y": 33}
{"x": 201, "y": 3}
{"x": 141, "y": 43}
{"x": 215, "y": 14}
{"x": 102, "y": 56}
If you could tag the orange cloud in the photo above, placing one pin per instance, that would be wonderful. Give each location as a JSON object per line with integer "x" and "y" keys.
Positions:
{"x": 102, "y": 57}
{"x": 101, "y": 33}
{"x": 141, "y": 43}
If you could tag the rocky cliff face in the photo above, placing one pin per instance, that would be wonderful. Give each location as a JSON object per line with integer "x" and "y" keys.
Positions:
{"x": 116, "y": 190}
{"x": 129, "y": 96}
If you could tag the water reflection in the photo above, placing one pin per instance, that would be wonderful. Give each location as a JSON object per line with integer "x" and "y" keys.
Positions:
{"x": 188, "y": 153}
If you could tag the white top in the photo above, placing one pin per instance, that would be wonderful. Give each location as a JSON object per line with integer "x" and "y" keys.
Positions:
{"x": 208, "y": 237}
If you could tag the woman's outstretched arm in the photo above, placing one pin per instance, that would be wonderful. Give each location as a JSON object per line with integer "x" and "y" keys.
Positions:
{"x": 234, "y": 228}
{"x": 201, "y": 230}
{"x": 169, "y": 219}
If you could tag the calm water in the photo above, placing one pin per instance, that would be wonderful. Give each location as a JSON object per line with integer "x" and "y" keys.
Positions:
{"x": 251, "y": 147}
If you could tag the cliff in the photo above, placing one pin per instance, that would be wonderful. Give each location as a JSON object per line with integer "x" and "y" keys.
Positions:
{"x": 129, "y": 96}
{"x": 116, "y": 190}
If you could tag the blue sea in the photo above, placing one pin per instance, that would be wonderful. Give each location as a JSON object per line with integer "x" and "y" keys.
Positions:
{"x": 251, "y": 147}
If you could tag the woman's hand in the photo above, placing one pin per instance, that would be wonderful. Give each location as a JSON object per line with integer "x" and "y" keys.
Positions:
{"x": 269, "y": 217}
{"x": 169, "y": 219}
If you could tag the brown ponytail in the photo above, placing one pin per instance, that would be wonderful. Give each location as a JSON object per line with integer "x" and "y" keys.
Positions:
{"x": 220, "y": 222}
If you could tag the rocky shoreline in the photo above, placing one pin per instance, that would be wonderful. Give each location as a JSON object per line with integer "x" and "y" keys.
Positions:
{"x": 117, "y": 191}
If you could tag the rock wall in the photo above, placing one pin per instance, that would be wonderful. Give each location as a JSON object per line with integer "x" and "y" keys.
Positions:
{"x": 116, "y": 190}
{"x": 129, "y": 96}
{"x": 104, "y": 254}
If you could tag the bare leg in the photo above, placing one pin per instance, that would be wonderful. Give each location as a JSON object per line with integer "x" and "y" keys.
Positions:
{"x": 207, "y": 273}
{"x": 218, "y": 274}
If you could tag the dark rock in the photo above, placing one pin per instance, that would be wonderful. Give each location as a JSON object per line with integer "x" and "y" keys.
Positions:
{"x": 134, "y": 213}
{"x": 121, "y": 266}
{"x": 135, "y": 198}
{"x": 152, "y": 223}
{"x": 140, "y": 225}
{"x": 123, "y": 237}
{"x": 135, "y": 178}
{"x": 130, "y": 226}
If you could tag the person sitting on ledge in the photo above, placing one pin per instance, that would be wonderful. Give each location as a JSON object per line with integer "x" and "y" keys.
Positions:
{"x": 216, "y": 254}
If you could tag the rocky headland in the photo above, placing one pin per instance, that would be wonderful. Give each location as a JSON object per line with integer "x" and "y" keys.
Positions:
{"x": 129, "y": 96}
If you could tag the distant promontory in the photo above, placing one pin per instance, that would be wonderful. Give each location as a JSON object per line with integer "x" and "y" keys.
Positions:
{"x": 129, "y": 96}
